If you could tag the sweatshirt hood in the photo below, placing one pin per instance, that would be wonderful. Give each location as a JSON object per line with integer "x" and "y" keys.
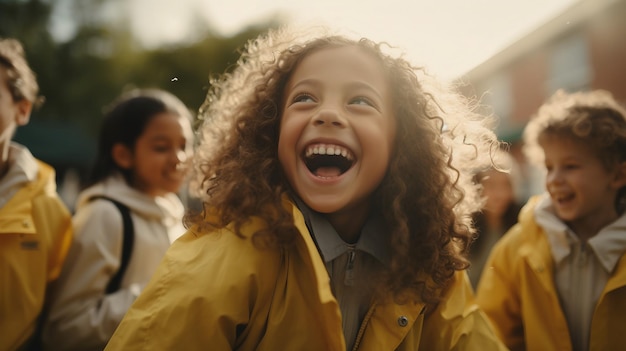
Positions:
{"x": 168, "y": 207}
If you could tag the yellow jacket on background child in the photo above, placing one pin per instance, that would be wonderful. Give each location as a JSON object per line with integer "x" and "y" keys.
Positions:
{"x": 557, "y": 279}
{"x": 35, "y": 225}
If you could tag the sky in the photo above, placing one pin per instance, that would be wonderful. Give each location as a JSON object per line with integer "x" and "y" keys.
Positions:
{"x": 449, "y": 37}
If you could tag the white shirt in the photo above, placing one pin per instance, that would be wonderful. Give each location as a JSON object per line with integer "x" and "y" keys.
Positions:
{"x": 581, "y": 269}
{"x": 23, "y": 168}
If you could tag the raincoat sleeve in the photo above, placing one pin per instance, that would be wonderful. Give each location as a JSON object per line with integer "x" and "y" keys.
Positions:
{"x": 35, "y": 235}
{"x": 56, "y": 218}
{"x": 459, "y": 322}
{"x": 206, "y": 291}
{"x": 81, "y": 316}
{"x": 498, "y": 293}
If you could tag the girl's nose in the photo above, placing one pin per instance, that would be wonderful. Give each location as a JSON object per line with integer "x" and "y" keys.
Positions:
{"x": 181, "y": 159}
{"x": 181, "y": 156}
{"x": 329, "y": 117}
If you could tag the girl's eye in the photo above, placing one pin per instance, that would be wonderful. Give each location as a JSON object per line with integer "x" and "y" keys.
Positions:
{"x": 161, "y": 148}
{"x": 304, "y": 97}
{"x": 361, "y": 100}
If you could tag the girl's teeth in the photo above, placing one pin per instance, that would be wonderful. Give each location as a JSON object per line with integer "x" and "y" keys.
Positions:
{"x": 327, "y": 150}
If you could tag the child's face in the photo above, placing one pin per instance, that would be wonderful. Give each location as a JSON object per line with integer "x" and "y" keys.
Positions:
{"x": 583, "y": 191}
{"x": 498, "y": 191}
{"x": 12, "y": 113}
{"x": 161, "y": 154}
{"x": 337, "y": 101}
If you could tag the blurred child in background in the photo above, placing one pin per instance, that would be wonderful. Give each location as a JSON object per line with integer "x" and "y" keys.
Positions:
{"x": 35, "y": 225}
{"x": 499, "y": 212}
{"x": 557, "y": 280}
{"x": 144, "y": 145}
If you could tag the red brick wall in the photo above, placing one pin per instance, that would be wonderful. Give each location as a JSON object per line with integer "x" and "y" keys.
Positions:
{"x": 607, "y": 42}
{"x": 528, "y": 76}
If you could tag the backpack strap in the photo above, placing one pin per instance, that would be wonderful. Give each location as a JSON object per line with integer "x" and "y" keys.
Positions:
{"x": 127, "y": 244}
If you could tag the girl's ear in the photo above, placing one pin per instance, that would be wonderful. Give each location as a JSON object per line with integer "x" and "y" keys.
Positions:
{"x": 620, "y": 175}
{"x": 122, "y": 155}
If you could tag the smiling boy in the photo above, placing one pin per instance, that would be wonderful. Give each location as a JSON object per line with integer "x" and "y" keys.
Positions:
{"x": 557, "y": 280}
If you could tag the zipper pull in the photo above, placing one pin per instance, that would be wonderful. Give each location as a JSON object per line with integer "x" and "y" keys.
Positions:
{"x": 584, "y": 253}
{"x": 349, "y": 277}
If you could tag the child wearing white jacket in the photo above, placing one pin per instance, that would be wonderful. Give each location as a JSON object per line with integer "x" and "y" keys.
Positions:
{"x": 144, "y": 145}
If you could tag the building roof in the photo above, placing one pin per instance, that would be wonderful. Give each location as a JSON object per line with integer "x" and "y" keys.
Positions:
{"x": 573, "y": 17}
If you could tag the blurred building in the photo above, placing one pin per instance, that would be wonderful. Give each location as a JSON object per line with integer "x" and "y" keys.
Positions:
{"x": 63, "y": 146}
{"x": 583, "y": 48}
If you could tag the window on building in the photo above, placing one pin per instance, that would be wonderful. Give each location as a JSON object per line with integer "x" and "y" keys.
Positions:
{"x": 569, "y": 66}
{"x": 499, "y": 97}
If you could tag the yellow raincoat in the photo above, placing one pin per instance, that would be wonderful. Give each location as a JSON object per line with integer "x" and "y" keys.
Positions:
{"x": 517, "y": 292}
{"x": 219, "y": 292}
{"x": 35, "y": 235}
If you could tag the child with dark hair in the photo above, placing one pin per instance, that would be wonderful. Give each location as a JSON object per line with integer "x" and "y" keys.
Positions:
{"x": 498, "y": 213}
{"x": 336, "y": 213}
{"x": 557, "y": 279}
{"x": 125, "y": 220}
{"x": 35, "y": 225}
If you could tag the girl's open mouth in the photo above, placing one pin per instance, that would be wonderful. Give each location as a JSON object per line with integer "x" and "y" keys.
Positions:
{"x": 325, "y": 160}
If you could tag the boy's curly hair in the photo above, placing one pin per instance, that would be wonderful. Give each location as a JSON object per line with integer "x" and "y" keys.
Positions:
{"x": 593, "y": 118}
{"x": 426, "y": 198}
{"x": 21, "y": 81}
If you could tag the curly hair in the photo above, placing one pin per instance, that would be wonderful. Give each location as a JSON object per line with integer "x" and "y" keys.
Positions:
{"x": 594, "y": 119}
{"x": 22, "y": 82}
{"x": 426, "y": 197}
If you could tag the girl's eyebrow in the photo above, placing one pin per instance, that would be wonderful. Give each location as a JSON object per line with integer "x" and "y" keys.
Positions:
{"x": 163, "y": 137}
{"x": 567, "y": 159}
{"x": 357, "y": 84}
{"x": 364, "y": 85}
{"x": 306, "y": 82}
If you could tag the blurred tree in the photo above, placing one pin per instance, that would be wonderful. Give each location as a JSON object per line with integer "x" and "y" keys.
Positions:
{"x": 80, "y": 76}
{"x": 28, "y": 18}
{"x": 185, "y": 71}
{"x": 98, "y": 58}
{"x": 28, "y": 22}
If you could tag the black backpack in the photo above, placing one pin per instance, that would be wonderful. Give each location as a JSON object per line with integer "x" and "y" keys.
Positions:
{"x": 127, "y": 244}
